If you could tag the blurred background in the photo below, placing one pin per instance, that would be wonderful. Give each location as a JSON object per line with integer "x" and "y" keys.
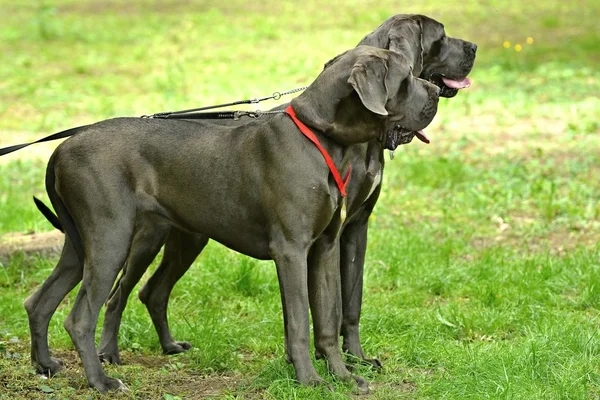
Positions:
{"x": 483, "y": 248}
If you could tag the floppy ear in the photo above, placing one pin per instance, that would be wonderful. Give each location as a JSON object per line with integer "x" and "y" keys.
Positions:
{"x": 368, "y": 80}
{"x": 407, "y": 38}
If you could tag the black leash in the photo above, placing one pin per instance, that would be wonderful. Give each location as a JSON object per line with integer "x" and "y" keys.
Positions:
{"x": 192, "y": 113}
{"x": 235, "y": 115}
{"x": 59, "y": 135}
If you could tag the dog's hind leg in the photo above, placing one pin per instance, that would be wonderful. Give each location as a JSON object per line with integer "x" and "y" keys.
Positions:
{"x": 101, "y": 268}
{"x": 106, "y": 242}
{"x": 148, "y": 238}
{"x": 43, "y": 303}
{"x": 324, "y": 291}
{"x": 181, "y": 249}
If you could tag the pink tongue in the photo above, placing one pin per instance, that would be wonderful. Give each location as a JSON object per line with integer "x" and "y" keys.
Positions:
{"x": 465, "y": 83}
{"x": 422, "y": 137}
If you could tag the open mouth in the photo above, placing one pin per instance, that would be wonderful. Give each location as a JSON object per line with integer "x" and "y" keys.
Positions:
{"x": 399, "y": 135}
{"x": 407, "y": 135}
{"x": 450, "y": 87}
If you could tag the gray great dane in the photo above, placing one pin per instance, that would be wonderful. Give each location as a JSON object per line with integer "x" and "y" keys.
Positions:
{"x": 283, "y": 204}
{"x": 434, "y": 56}
{"x": 445, "y": 61}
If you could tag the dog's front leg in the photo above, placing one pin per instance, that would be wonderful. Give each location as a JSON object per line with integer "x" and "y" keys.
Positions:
{"x": 324, "y": 290}
{"x": 291, "y": 272}
{"x": 181, "y": 249}
{"x": 353, "y": 246}
{"x": 148, "y": 238}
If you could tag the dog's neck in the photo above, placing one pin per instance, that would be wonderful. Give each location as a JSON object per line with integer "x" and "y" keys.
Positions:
{"x": 341, "y": 117}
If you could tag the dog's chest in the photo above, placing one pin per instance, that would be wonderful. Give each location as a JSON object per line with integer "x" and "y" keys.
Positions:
{"x": 375, "y": 183}
{"x": 373, "y": 173}
{"x": 365, "y": 180}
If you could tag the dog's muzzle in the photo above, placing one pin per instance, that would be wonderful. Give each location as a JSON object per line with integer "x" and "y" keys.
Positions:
{"x": 399, "y": 135}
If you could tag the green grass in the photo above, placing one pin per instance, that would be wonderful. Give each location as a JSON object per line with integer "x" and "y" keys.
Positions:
{"x": 482, "y": 275}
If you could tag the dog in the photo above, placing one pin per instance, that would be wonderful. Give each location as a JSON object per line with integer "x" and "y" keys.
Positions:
{"x": 261, "y": 189}
{"x": 440, "y": 59}
{"x": 433, "y": 56}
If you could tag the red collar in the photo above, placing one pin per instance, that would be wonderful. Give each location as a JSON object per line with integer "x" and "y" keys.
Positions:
{"x": 341, "y": 184}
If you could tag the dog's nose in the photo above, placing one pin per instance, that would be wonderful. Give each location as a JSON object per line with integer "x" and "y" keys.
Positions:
{"x": 473, "y": 47}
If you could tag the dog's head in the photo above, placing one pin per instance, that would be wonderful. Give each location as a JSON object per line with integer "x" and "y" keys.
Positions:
{"x": 446, "y": 61}
{"x": 368, "y": 93}
{"x": 435, "y": 56}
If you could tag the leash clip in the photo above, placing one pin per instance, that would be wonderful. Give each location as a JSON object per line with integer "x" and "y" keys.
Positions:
{"x": 250, "y": 114}
{"x": 162, "y": 115}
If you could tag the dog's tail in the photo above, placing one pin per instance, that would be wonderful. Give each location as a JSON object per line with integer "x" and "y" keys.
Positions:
{"x": 47, "y": 212}
{"x": 63, "y": 217}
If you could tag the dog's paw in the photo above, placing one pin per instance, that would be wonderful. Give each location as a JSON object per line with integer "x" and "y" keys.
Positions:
{"x": 362, "y": 387}
{"x": 107, "y": 384}
{"x": 317, "y": 381}
{"x": 352, "y": 359}
{"x": 185, "y": 345}
{"x": 311, "y": 378}
{"x": 176, "y": 347}
{"x": 50, "y": 368}
{"x": 374, "y": 362}
{"x": 111, "y": 358}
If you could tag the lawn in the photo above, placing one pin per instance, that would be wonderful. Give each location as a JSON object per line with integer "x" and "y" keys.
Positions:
{"x": 483, "y": 265}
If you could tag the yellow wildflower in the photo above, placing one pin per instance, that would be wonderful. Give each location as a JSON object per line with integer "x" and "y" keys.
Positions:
{"x": 518, "y": 47}
{"x": 506, "y": 44}
{"x": 529, "y": 40}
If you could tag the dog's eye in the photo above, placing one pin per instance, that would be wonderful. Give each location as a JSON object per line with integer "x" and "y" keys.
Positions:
{"x": 436, "y": 47}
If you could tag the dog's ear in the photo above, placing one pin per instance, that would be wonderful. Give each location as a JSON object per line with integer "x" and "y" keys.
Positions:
{"x": 368, "y": 78}
{"x": 400, "y": 68}
{"x": 407, "y": 38}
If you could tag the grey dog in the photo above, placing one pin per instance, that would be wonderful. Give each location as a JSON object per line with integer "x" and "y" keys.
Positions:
{"x": 282, "y": 205}
{"x": 434, "y": 56}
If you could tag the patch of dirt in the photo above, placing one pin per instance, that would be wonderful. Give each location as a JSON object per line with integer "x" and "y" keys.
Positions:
{"x": 202, "y": 387}
{"x": 558, "y": 242}
{"x": 405, "y": 386}
{"x": 519, "y": 137}
{"x": 143, "y": 373}
{"x": 46, "y": 243}
{"x": 148, "y": 361}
